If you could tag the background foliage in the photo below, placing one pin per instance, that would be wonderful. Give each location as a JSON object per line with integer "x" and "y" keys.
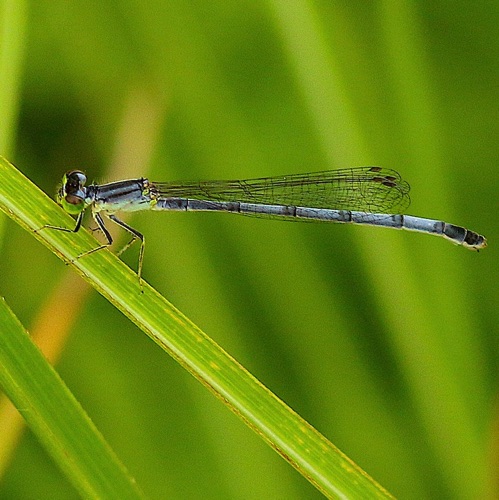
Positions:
{"x": 385, "y": 341}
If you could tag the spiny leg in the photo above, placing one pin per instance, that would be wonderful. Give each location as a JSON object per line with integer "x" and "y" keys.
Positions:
{"x": 77, "y": 228}
{"x": 102, "y": 227}
{"x": 135, "y": 236}
{"x": 65, "y": 229}
{"x": 109, "y": 239}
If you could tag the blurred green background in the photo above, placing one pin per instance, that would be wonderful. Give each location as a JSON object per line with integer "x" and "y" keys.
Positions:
{"x": 385, "y": 341}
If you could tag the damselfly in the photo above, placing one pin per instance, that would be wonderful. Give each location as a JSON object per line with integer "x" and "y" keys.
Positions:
{"x": 364, "y": 195}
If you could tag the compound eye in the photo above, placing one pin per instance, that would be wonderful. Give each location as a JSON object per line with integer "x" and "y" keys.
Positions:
{"x": 71, "y": 195}
{"x": 75, "y": 179}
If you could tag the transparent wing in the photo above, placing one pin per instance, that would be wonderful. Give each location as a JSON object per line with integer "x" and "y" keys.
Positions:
{"x": 365, "y": 189}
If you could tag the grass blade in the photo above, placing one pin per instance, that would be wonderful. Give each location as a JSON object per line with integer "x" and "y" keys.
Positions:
{"x": 56, "y": 418}
{"x": 293, "y": 438}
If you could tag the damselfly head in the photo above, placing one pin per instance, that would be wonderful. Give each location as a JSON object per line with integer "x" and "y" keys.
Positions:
{"x": 71, "y": 194}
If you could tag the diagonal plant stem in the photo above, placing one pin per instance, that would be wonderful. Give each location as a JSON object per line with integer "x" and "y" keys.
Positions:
{"x": 293, "y": 438}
